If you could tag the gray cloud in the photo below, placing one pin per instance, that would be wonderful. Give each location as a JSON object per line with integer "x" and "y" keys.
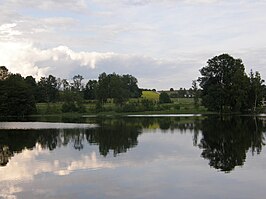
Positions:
{"x": 65, "y": 63}
{"x": 163, "y": 43}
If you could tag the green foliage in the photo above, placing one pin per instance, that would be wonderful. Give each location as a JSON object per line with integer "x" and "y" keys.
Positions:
{"x": 114, "y": 93}
{"x": 164, "y": 98}
{"x": 69, "y": 107}
{"x": 49, "y": 108}
{"x": 119, "y": 88}
{"x": 224, "y": 84}
{"x": 77, "y": 83}
{"x": 16, "y": 98}
{"x": 98, "y": 107}
{"x": 148, "y": 105}
{"x": 131, "y": 107}
{"x": 177, "y": 106}
{"x": 90, "y": 90}
{"x": 132, "y": 86}
{"x": 256, "y": 90}
{"x": 31, "y": 82}
{"x": 73, "y": 102}
{"x": 48, "y": 89}
{"x": 195, "y": 92}
{"x": 102, "y": 92}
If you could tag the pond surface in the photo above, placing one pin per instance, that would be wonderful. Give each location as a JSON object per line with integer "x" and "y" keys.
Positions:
{"x": 134, "y": 157}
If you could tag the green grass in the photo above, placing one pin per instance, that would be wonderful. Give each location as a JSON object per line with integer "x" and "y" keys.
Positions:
{"x": 150, "y": 95}
{"x": 51, "y": 108}
{"x": 179, "y": 106}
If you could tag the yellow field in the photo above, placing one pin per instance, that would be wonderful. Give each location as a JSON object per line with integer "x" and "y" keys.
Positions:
{"x": 150, "y": 95}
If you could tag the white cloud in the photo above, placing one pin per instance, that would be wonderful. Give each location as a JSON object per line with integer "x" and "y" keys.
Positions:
{"x": 26, "y": 59}
{"x": 201, "y": 1}
{"x": 145, "y": 2}
{"x": 46, "y": 37}
{"x": 8, "y": 191}
{"x": 27, "y": 172}
{"x": 23, "y": 58}
{"x": 7, "y": 31}
{"x": 74, "y": 5}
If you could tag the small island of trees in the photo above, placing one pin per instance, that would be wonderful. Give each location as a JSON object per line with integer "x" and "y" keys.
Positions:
{"x": 223, "y": 87}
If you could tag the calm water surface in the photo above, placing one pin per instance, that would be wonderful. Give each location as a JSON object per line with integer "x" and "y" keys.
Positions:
{"x": 134, "y": 157}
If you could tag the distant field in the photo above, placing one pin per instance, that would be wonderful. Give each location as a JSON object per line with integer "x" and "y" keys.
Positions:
{"x": 150, "y": 95}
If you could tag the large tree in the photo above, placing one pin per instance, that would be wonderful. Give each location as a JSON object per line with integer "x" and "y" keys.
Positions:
{"x": 77, "y": 83}
{"x": 102, "y": 92}
{"x": 117, "y": 87}
{"x": 16, "y": 97}
{"x": 132, "y": 86}
{"x": 224, "y": 84}
{"x": 48, "y": 89}
{"x": 90, "y": 90}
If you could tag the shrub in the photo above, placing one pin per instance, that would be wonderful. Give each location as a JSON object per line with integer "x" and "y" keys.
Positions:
{"x": 164, "y": 98}
{"x": 130, "y": 107}
{"x": 148, "y": 105}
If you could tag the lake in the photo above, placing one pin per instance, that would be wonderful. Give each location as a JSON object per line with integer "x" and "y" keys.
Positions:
{"x": 134, "y": 157}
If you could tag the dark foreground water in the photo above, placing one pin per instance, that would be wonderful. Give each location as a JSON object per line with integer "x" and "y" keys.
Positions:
{"x": 138, "y": 157}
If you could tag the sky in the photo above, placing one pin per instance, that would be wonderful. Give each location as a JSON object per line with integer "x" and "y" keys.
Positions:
{"x": 163, "y": 43}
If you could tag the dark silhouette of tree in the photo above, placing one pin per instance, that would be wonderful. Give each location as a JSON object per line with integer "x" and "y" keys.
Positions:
{"x": 48, "y": 89}
{"x": 225, "y": 141}
{"x": 72, "y": 95}
{"x": 119, "y": 88}
{"x": 77, "y": 83}
{"x": 224, "y": 84}
{"x": 118, "y": 137}
{"x": 196, "y": 94}
{"x": 131, "y": 85}
{"x": 103, "y": 90}
{"x": 256, "y": 90}
{"x": 16, "y": 97}
{"x": 31, "y": 82}
{"x": 90, "y": 90}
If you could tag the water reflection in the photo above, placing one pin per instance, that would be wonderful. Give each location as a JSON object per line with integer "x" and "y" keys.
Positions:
{"x": 116, "y": 136}
{"x": 224, "y": 141}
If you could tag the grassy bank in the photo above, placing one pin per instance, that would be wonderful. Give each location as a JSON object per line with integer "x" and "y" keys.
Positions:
{"x": 133, "y": 106}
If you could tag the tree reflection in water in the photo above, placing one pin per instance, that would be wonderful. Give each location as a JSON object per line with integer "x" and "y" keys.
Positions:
{"x": 224, "y": 141}
{"x": 117, "y": 136}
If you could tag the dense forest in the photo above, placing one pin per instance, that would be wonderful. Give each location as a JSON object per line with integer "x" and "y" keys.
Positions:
{"x": 223, "y": 87}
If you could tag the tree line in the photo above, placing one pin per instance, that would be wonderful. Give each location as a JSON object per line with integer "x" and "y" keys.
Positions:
{"x": 19, "y": 95}
{"x": 223, "y": 87}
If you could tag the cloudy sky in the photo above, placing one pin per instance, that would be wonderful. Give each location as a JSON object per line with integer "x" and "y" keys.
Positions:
{"x": 163, "y": 43}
